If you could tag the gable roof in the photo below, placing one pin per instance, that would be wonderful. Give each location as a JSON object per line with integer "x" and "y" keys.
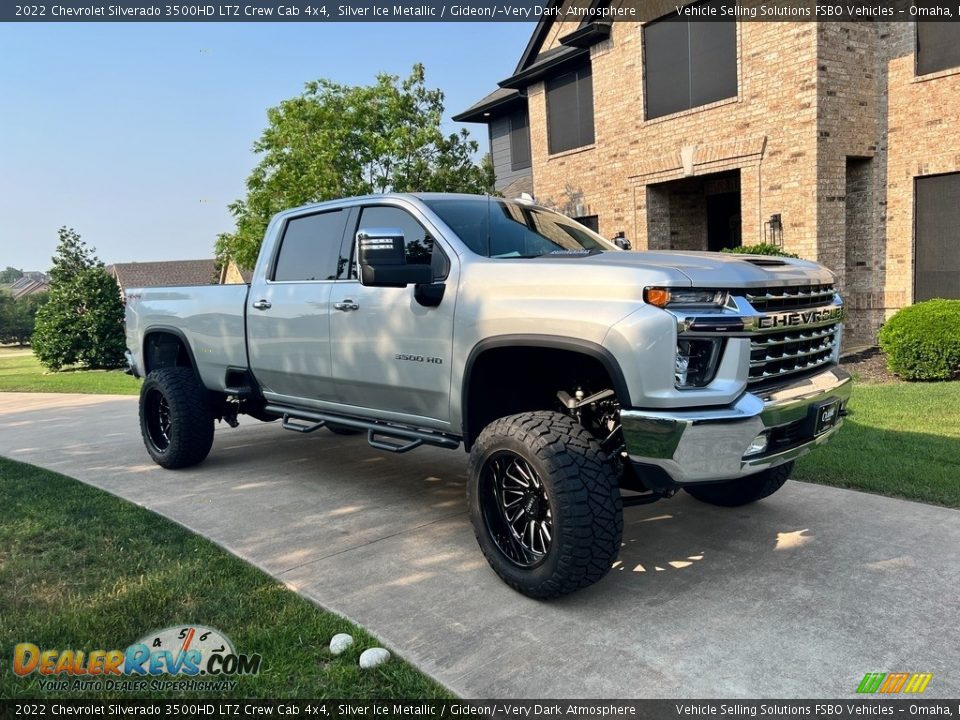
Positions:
{"x": 163, "y": 274}
{"x": 29, "y": 288}
{"x": 499, "y": 101}
{"x": 536, "y": 64}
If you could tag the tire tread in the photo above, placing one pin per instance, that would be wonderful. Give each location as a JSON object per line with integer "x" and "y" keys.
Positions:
{"x": 584, "y": 489}
{"x": 191, "y": 419}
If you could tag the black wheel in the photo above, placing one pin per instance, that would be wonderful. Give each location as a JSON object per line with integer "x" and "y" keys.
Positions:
{"x": 733, "y": 493}
{"x": 544, "y": 504}
{"x": 342, "y": 429}
{"x": 175, "y": 418}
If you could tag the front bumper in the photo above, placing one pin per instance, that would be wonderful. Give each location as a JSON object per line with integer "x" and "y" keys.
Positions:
{"x": 710, "y": 444}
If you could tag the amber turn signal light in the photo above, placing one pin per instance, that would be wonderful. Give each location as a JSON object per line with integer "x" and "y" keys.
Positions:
{"x": 656, "y": 296}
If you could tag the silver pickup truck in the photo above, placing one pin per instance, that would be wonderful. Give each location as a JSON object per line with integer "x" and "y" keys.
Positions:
{"x": 580, "y": 377}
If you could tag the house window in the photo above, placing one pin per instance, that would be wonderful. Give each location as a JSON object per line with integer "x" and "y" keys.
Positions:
{"x": 570, "y": 110}
{"x": 590, "y": 221}
{"x": 938, "y": 46}
{"x": 688, "y": 64}
{"x": 519, "y": 140}
{"x": 937, "y": 264}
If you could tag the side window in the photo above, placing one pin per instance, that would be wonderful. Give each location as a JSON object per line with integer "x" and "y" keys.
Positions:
{"x": 310, "y": 247}
{"x": 419, "y": 243}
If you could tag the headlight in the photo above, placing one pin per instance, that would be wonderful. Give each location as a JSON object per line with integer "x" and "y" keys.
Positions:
{"x": 697, "y": 362}
{"x": 661, "y": 297}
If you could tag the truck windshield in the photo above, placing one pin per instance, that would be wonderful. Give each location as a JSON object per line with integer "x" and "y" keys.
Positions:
{"x": 499, "y": 228}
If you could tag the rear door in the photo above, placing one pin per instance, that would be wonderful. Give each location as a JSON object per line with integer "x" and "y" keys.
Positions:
{"x": 288, "y": 313}
{"x": 390, "y": 352}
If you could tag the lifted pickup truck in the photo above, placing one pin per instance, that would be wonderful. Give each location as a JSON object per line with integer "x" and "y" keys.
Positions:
{"x": 579, "y": 377}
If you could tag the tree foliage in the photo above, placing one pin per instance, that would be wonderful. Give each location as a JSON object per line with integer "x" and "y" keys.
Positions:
{"x": 82, "y": 322}
{"x": 759, "y": 249}
{"x": 10, "y": 275}
{"x": 17, "y": 317}
{"x": 336, "y": 141}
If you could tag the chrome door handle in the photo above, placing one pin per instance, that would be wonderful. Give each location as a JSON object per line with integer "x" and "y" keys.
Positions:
{"x": 262, "y": 305}
{"x": 346, "y": 305}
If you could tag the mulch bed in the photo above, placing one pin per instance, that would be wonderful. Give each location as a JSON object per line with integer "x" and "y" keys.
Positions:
{"x": 869, "y": 365}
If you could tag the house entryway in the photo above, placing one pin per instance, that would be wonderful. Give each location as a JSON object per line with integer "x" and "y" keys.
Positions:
{"x": 695, "y": 213}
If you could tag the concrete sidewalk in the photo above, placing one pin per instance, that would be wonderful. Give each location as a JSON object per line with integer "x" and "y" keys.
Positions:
{"x": 798, "y": 596}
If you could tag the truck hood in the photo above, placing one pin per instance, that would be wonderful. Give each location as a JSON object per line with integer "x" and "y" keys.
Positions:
{"x": 715, "y": 270}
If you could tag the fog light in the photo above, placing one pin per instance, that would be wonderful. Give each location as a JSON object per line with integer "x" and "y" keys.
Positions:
{"x": 758, "y": 445}
{"x": 696, "y": 362}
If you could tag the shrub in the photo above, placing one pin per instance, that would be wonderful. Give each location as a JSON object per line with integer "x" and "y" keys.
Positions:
{"x": 922, "y": 341}
{"x": 760, "y": 249}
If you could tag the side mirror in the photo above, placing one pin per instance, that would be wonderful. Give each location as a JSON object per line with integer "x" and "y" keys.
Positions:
{"x": 382, "y": 256}
{"x": 621, "y": 242}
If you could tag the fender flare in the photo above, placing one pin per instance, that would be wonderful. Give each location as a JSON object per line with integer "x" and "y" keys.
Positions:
{"x": 169, "y": 330}
{"x": 553, "y": 342}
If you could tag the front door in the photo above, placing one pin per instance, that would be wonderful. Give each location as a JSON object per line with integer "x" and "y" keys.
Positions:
{"x": 389, "y": 352}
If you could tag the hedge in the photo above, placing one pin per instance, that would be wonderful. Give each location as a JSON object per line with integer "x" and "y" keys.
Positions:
{"x": 922, "y": 341}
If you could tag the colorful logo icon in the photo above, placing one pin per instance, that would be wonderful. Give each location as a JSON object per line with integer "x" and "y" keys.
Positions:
{"x": 183, "y": 650}
{"x": 890, "y": 683}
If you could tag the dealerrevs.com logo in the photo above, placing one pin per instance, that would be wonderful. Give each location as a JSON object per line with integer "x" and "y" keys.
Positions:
{"x": 187, "y": 652}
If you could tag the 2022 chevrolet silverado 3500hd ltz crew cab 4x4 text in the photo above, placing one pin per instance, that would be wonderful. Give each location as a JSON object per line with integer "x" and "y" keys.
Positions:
{"x": 569, "y": 369}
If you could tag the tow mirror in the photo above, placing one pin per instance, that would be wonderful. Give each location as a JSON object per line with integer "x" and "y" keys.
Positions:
{"x": 383, "y": 260}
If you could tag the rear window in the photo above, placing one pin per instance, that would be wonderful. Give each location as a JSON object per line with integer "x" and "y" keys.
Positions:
{"x": 310, "y": 248}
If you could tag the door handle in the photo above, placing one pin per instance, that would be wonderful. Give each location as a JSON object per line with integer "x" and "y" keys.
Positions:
{"x": 262, "y": 305}
{"x": 346, "y": 305}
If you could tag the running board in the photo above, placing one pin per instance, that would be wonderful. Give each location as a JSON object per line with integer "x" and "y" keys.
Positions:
{"x": 306, "y": 421}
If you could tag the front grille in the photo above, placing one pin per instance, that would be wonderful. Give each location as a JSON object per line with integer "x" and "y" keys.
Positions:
{"x": 791, "y": 297}
{"x": 778, "y": 354}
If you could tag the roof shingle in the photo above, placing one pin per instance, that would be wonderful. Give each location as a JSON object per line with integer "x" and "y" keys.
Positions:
{"x": 164, "y": 274}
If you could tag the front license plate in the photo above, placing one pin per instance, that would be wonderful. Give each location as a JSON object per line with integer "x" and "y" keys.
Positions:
{"x": 826, "y": 417}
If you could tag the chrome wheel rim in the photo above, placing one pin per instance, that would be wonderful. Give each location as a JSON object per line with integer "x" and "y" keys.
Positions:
{"x": 159, "y": 424}
{"x": 516, "y": 509}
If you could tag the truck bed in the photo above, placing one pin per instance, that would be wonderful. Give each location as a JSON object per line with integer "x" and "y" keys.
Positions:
{"x": 209, "y": 317}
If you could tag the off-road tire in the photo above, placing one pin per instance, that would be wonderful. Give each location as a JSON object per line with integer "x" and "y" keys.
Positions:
{"x": 733, "y": 493}
{"x": 342, "y": 429}
{"x": 186, "y": 436}
{"x": 582, "y": 492}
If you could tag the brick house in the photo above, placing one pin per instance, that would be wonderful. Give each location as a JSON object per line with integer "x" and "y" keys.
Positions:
{"x": 840, "y": 140}
{"x": 167, "y": 273}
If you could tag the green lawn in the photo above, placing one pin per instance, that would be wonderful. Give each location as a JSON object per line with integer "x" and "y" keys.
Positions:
{"x": 81, "y": 569}
{"x": 901, "y": 439}
{"x": 21, "y": 372}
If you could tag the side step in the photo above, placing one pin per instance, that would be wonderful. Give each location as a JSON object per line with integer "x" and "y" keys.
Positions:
{"x": 310, "y": 420}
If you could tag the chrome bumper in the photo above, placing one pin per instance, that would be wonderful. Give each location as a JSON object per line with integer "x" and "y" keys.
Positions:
{"x": 711, "y": 444}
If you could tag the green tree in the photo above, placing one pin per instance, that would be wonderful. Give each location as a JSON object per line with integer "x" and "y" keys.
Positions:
{"x": 10, "y": 275}
{"x": 18, "y": 317}
{"x": 82, "y": 321}
{"x": 336, "y": 140}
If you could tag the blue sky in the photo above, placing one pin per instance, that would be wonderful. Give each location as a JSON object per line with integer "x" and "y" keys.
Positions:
{"x": 139, "y": 135}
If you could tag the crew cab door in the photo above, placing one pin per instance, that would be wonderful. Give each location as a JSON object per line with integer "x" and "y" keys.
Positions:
{"x": 390, "y": 352}
{"x": 288, "y": 310}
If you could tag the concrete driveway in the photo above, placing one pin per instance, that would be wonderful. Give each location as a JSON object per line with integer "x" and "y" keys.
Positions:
{"x": 798, "y": 596}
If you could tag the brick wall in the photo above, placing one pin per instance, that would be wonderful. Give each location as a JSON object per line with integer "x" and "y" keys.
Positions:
{"x": 923, "y": 139}
{"x": 768, "y": 133}
{"x": 829, "y": 129}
